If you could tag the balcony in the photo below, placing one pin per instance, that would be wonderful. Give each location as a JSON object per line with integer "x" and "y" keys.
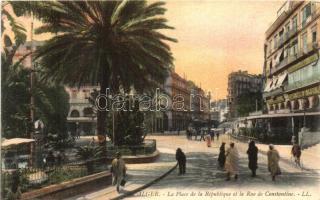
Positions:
{"x": 291, "y": 58}
{"x": 300, "y": 84}
{"x": 272, "y": 93}
{"x": 293, "y": 31}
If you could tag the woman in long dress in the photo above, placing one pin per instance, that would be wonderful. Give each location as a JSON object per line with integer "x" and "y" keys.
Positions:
{"x": 253, "y": 158}
{"x": 222, "y": 155}
{"x": 273, "y": 162}
{"x": 232, "y": 162}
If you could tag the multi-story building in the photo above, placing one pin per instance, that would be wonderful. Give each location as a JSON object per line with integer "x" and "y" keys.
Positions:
{"x": 292, "y": 68}
{"x": 178, "y": 89}
{"x": 241, "y": 82}
{"x": 219, "y": 110}
{"x": 199, "y": 103}
{"x": 81, "y": 117}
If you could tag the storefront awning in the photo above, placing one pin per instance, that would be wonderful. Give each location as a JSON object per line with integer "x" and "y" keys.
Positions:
{"x": 275, "y": 82}
{"x": 15, "y": 141}
{"x": 268, "y": 85}
{"x": 281, "y": 79}
{"x": 265, "y": 116}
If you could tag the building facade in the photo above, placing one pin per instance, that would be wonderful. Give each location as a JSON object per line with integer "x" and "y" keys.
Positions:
{"x": 219, "y": 110}
{"x": 177, "y": 88}
{"x": 81, "y": 118}
{"x": 292, "y": 67}
{"x": 241, "y": 82}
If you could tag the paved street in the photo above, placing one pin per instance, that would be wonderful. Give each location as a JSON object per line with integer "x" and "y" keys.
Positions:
{"x": 203, "y": 175}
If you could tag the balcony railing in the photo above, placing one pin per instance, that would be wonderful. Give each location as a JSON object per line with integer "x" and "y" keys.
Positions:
{"x": 313, "y": 79}
{"x": 287, "y": 60}
{"x": 293, "y": 31}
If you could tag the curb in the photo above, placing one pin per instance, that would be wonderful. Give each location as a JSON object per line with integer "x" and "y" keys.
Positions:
{"x": 65, "y": 189}
{"x": 122, "y": 196}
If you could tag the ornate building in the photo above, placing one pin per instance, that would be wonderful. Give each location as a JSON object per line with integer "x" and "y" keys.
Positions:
{"x": 291, "y": 71}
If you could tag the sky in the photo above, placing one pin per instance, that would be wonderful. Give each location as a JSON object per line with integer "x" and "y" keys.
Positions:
{"x": 216, "y": 38}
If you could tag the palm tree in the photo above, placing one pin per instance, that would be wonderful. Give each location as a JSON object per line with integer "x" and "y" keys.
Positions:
{"x": 116, "y": 44}
{"x": 89, "y": 154}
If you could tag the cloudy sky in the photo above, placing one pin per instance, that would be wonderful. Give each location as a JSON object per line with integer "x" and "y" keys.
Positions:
{"x": 216, "y": 38}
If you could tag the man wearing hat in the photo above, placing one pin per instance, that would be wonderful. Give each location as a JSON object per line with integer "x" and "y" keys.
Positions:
{"x": 118, "y": 170}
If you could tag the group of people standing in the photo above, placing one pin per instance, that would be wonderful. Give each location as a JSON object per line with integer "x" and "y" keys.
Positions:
{"x": 229, "y": 160}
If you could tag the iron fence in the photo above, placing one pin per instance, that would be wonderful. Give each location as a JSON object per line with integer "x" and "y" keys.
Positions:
{"x": 32, "y": 178}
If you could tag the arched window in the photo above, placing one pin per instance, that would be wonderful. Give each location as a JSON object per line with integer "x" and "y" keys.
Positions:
{"x": 74, "y": 113}
{"x": 288, "y": 105}
{"x": 87, "y": 112}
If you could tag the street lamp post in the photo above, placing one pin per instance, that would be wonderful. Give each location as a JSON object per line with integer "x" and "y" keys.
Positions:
{"x": 209, "y": 124}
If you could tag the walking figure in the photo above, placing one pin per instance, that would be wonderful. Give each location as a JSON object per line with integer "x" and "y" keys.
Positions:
{"x": 273, "y": 162}
{"x": 296, "y": 153}
{"x": 118, "y": 170}
{"x": 181, "y": 158}
{"x": 232, "y": 162}
{"x": 208, "y": 140}
{"x": 218, "y": 134}
{"x": 222, "y": 156}
{"x": 202, "y": 135}
{"x": 253, "y": 158}
{"x": 212, "y": 135}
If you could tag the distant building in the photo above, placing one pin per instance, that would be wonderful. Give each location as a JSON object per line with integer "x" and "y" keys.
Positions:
{"x": 200, "y": 107}
{"x": 219, "y": 110}
{"x": 241, "y": 82}
{"x": 81, "y": 118}
{"x": 178, "y": 87}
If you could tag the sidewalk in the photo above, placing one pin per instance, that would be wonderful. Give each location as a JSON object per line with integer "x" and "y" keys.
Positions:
{"x": 139, "y": 175}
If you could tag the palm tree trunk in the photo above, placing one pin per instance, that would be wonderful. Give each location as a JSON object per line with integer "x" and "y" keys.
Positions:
{"x": 102, "y": 114}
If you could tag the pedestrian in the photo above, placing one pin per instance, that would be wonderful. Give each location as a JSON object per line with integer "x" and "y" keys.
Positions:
{"x": 212, "y": 135}
{"x": 202, "y": 135}
{"x": 232, "y": 162}
{"x": 273, "y": 162}
{"x": 253, "y": 158}
{"x": 296, "y": 153}
{"x": 196, "y": 132}
{"x": 218, "y": 134}
{"x": 118, "y": 170}
{"x": 222, "y": 156}
{"x": 208, "y": 140}
{"x": 181, "y": 158}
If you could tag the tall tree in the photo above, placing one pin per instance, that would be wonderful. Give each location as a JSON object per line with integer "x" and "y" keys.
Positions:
{"x": 249, "y": 102}
{"x": 116, "y": 44}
